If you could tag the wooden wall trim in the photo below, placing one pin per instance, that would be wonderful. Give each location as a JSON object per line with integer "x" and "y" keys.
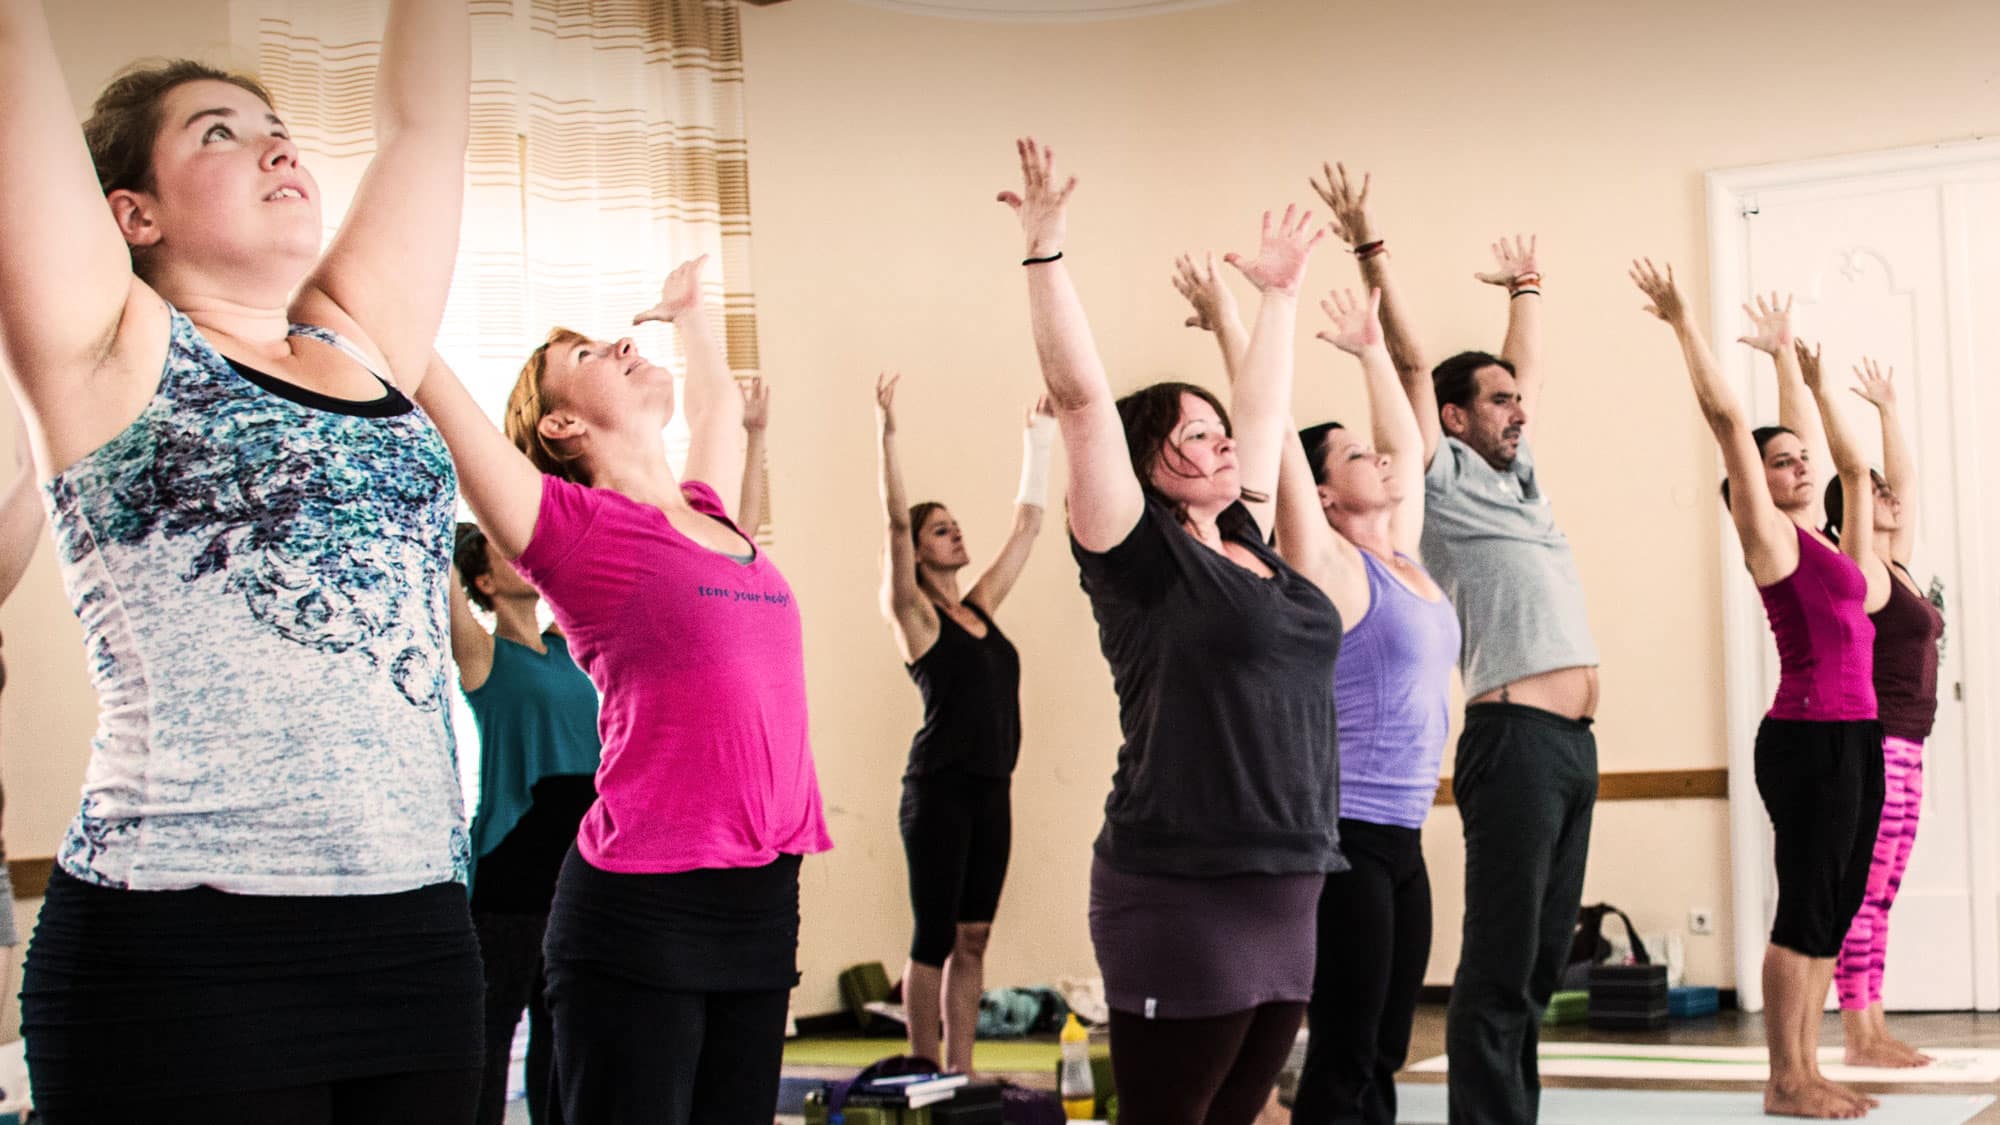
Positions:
{"x": 31, "y": 876}
{"x": 1643, "y": 785}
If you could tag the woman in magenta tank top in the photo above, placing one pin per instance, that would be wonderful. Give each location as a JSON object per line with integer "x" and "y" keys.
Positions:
{"x": 1907, "y": 629}
{"x": 1819, "y": 749}
{"x": 1364, "y": 510}
{"x": 672, "y": 941}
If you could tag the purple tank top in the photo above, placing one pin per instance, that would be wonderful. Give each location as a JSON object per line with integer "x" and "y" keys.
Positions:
{"x": 1907, "y": 628}
{"x": 1392, "y": 700}
{"x": 1826, "y": 644}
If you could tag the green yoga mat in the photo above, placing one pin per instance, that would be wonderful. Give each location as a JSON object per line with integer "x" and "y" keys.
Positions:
{"x": 1003, "y": 1056}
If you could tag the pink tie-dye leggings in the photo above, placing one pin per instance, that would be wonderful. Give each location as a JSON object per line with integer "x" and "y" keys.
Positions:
{"x": 1858, "y": 970}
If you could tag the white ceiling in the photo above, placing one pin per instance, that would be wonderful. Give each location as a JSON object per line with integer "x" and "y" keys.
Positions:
{"x": 1042, "y": 11}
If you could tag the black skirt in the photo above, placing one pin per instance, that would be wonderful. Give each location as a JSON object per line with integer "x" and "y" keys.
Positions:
{"x": 139, "y": 994}
{"x": 707, "y": 930}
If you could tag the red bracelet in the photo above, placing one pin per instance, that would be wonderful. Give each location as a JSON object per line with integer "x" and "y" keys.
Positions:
{"x": 1369, "y": 250}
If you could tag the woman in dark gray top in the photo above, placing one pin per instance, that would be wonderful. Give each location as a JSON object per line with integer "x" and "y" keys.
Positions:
{"x": 1222, "y": 819}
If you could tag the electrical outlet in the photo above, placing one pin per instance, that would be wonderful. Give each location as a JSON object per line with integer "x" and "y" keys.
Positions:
{"x": 1701, "y": 921}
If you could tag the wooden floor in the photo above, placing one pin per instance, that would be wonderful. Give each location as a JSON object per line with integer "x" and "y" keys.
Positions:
{"x": 1941, "y": 1029}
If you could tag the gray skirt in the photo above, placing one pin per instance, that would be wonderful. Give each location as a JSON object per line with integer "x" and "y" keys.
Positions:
{"x": 1179, "y": 948}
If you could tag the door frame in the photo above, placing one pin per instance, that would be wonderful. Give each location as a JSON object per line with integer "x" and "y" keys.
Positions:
{"x": 1730, "y": 191}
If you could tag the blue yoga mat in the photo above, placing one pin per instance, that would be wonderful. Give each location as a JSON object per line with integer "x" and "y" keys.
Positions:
{"x": 1423, "y": 1103}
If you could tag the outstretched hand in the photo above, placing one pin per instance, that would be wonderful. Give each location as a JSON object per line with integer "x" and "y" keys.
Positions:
{"x": 1213, "y": 303}
{"x": 1348, "y": 202}
{"x": 1282, "y": 251}
{"x": 1809, "y": 365}
{"x": 885, "y": 402}
{"x": 756, "y": 403}
{"x": 1660, "y": 290}
{"x": 1040, "y": 205}
{"x": 680, "y": 294}
{"x": 1357, "y": 325}
{"x": 1877, "y": 385}
{"x": 1512, "y": 263}
{"x": 1774, "y": 325}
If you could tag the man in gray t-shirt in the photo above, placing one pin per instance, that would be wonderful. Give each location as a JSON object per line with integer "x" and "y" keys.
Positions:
{"x": 1525, "y": 775}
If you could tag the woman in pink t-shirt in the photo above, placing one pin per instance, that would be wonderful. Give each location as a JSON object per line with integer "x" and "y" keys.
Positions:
{"x": 672, "y": 941}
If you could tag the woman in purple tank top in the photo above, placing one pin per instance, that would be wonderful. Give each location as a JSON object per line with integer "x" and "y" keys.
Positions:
{"x": 1819, "y": 749}
{"x": 1391, "y": 698}
{"x": 1907, "y": 628}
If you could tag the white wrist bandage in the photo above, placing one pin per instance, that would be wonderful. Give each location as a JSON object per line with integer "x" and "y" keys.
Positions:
{"x": 1037, "y": 442}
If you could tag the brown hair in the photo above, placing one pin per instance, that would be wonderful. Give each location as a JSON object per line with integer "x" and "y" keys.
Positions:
{"x": 1150, "y": 415}
{"x": 468, "y": 554}
{"x": 527, "y": 405}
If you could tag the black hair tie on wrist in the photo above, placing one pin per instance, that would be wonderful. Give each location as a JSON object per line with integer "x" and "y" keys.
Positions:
{"x": 1041, "y": 261}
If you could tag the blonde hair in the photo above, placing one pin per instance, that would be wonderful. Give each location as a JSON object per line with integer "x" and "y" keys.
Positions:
{"x": 528, "y": 404}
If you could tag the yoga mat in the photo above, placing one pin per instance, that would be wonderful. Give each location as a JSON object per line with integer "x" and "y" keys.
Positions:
{"x": 1424, "y": 1104}
{"x": 1001, "y": 1056}
{"x": 1956, "y": 1065}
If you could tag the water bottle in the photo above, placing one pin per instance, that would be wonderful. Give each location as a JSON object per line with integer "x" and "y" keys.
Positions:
{"x": 1075, "y": 1086}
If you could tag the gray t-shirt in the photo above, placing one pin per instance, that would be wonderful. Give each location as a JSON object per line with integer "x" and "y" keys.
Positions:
{"x": 1490, "y": 539}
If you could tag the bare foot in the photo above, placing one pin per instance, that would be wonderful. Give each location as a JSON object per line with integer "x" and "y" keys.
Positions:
{"x": 1915, "y": 1057}
{"x": 1865, "y": 1102}
{"x": 1880, "y": 1053}
{"x": 1808, "y": 1099}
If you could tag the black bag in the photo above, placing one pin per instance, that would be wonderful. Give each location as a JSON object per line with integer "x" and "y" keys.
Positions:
{"x": 1589, "y": 948}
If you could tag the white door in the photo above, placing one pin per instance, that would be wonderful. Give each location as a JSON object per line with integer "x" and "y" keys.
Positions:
{"x": 1894, "y": 257}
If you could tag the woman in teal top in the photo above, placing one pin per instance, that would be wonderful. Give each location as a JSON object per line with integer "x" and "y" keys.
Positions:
{"x": 538, "y": 750}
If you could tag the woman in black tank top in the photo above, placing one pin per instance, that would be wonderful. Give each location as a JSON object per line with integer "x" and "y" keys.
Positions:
{"x": 1907, "y": 630}
{"x": 956, "y": 819}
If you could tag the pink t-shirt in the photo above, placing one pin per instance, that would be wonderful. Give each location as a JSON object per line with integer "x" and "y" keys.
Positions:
{"x": 701, "y": 662}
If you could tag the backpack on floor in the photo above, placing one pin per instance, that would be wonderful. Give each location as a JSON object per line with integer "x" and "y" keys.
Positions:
{"x": 1589, "y": 947}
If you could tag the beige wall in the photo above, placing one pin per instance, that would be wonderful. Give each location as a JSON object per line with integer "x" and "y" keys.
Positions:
{"x": 879, "y": 140}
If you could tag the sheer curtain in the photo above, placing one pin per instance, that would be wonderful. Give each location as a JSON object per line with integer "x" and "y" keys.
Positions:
{"x": 607, "y": 146}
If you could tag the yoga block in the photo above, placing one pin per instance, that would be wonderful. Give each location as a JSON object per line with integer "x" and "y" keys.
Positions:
{"x": 1692, "y": 1001}
{"x": 859, "y": 986}
{"x": 971, "y": 1105}
{"x": 857, "y": 1112}
{"x": 1628, "y": 997}
{"x": 1567, "y": 1007}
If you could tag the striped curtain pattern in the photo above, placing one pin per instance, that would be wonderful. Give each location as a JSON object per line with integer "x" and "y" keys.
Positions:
{"x": 608, "y": 144}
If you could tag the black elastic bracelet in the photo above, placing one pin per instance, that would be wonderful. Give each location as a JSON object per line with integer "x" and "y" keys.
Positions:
{"x": 1519, "y": 292}
{"x": 1366, "y": 248}
{"x": 1041, "y": 261}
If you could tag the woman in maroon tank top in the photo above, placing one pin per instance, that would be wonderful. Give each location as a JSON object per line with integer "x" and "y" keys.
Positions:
{"x": 1907, "y": 628}
{"x": 1818, "y": 761}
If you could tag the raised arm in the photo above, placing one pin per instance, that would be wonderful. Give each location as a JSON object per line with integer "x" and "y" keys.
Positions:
{"x": 1357, "y": 330}
{"x": 65, "y": 274}
{"x": 1105, "y": 501}
{"x": 714, "y": 405}
{"x": 756, "y": 415}
{"x": 497, "y": 480}
{"x": 1770, "y": 543}
{"x": 21, "y": 519}
{"x": 1798, "y": 410}
{"x": 1352, "y": 224}
{"x": 1261, "y": 398}
{"x": 389, "y": 268}
{"x": 910, "y": 613}
{"x": 1214, "y": 309}
{"x": 1877, "y": 385}
{"x": 471, "y": 644}
{"x": 1857, "y": 524}
{"x": 1515, "y": 270}
{"x": 1038, "y": 439}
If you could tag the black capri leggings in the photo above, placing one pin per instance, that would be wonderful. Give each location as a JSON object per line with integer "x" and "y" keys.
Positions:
{"x": 957, "y": 830}
{"x": 1822, "y": 783}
